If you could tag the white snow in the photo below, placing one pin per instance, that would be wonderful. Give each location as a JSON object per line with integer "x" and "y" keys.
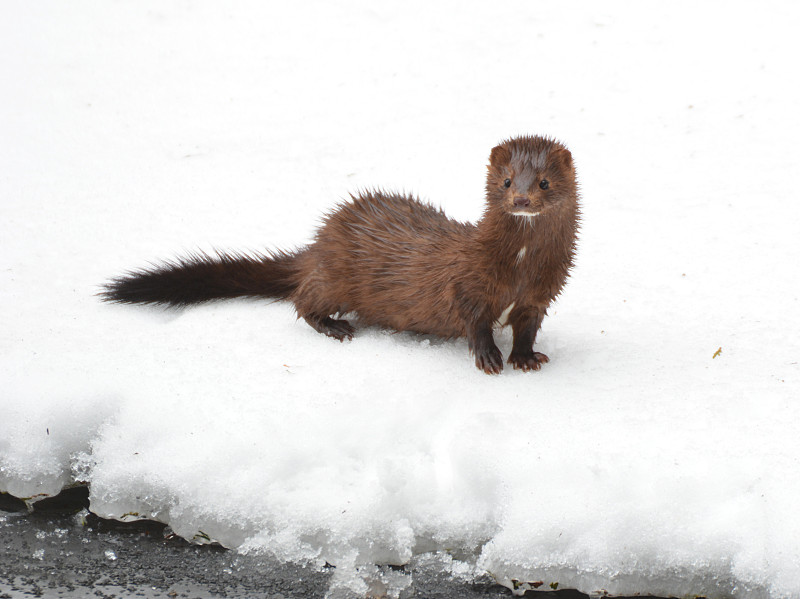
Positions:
{"x": 634, "y": 462}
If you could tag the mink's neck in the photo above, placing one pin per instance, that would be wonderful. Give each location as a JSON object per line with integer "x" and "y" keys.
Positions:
{"x": 499, "y": 236}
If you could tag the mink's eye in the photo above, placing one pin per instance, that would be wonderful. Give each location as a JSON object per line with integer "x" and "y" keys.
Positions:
{"x": 507, "y": 182}
{"x": 544, "y": 184}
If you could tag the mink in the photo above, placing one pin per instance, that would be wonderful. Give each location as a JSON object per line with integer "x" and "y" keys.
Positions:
{"x": 402, "y": 264}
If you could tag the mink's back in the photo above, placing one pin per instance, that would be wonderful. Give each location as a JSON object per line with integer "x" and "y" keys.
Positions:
{"x": 391, "y": 259}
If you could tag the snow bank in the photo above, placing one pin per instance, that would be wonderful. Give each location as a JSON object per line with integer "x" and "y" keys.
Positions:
{"x": 635, "y": 462}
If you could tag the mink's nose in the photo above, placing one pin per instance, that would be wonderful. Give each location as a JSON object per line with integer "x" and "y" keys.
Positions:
{"x": 521, "y": 201}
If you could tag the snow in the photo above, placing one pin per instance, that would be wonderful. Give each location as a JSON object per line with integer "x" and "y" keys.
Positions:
{"x": 634, "y": 462}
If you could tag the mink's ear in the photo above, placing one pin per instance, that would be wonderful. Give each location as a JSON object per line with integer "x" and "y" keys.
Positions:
{"x": 500, "y": 156}
{"x": 563, "y": 158}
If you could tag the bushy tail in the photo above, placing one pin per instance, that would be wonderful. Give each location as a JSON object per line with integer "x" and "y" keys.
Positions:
{"x": 201, "y": 277}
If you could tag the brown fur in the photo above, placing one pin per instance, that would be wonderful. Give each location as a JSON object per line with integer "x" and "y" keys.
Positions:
{"x": 402, "y": 264}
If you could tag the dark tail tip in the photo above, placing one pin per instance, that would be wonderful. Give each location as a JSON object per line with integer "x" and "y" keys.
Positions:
{"x": 140, "y": 287}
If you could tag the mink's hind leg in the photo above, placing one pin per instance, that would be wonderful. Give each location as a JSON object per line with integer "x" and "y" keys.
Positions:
{"x": 525, "y": 323}
{"x": 315, "y": 300}
{"x": 338, "y": 329}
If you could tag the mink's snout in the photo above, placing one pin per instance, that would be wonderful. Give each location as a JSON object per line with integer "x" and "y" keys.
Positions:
{"x": 522, "y": 201}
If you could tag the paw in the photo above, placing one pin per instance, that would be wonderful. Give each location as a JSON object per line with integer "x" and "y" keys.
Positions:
{"x": 525, "y": 361}
{"x": 490, "y": 360}
{"x": 339, "y": 329}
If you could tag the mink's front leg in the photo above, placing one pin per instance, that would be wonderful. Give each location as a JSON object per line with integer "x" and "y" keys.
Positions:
{"x": 481, "y": 343}
{"x": 471, "y": 306}
{"x": 525, "y": 323}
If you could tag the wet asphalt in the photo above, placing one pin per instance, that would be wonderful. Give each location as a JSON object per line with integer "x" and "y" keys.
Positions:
{"x": 60, "y": 550}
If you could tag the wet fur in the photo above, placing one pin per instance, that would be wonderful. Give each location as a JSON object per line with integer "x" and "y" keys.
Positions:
{"x": 402, "y": 264}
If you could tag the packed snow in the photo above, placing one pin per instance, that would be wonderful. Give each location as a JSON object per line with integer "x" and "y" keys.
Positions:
{"x": 658, "y": 450}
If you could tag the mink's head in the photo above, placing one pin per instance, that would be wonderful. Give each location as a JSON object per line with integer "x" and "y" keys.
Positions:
{"x": 529, "y": 176}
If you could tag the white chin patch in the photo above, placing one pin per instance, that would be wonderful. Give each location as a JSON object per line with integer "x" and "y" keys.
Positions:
{"x": 526, "y": 214}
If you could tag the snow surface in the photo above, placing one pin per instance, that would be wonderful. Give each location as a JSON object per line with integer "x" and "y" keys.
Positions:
{"x": 635, "y": 461}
